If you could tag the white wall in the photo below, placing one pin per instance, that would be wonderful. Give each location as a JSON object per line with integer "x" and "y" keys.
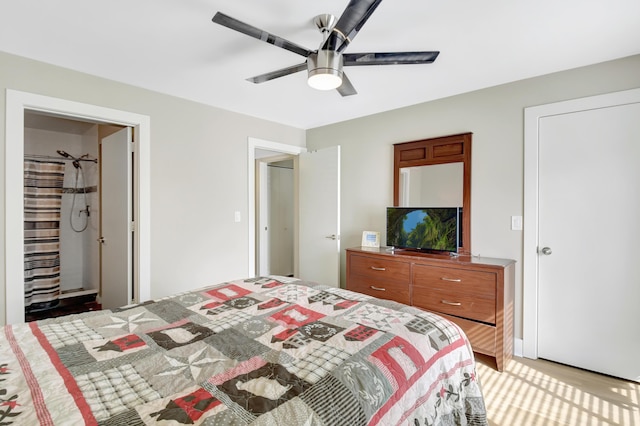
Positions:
{"x": 495, "y": 116}
{"x": 198, "y": 172}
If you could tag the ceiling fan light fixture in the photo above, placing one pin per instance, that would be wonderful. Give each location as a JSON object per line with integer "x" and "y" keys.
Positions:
{"x": 324, "y": 80}
{"x": 324, "y": 70}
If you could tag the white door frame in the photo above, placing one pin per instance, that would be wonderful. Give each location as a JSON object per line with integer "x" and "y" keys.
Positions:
{"x": 16, "y": 104}
{"x": 532, "y": 117}
{"x": 253, "y": 144}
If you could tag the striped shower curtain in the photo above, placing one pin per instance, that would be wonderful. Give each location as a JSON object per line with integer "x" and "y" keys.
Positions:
{"x": 42, "y": 200}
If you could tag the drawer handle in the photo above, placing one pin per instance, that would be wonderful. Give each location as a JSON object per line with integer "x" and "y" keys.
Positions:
{"x": 378, "y": 269}
{"x": 453, "y": 280}
{"x": 446, "y": 302}
{"x": 378, "y": 288}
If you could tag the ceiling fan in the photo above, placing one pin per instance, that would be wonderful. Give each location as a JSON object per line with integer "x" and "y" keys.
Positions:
{"x": 324, "y": 65}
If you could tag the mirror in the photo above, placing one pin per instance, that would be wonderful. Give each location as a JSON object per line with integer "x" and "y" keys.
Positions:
{"x": 439, "y": 185}
{"x": 436, "y": 173}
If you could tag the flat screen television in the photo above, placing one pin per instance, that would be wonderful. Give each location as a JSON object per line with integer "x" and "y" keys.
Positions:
{"x": 428, "y": 229}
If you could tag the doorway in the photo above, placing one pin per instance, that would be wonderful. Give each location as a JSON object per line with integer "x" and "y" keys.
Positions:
{"x": 275, "y": 209}
{"x": 316, "y": 209}
{"x": 257, "y": 149}
{"x": 17, "y": 104}
{"x": 62, "y": 215}
{"x": 580, "y": 240}
{"x": 78, "y": 248}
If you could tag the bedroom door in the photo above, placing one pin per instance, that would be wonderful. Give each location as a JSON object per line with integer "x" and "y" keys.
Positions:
{"x": 319, "y": 217}
{"x": 116, "y": 233}
{"x": 588, "y": 233}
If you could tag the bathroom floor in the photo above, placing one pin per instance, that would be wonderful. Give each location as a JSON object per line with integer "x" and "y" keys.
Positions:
{"x": 73, "y": 305}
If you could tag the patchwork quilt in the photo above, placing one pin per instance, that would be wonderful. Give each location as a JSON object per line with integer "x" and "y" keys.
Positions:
{"x": 261, "y": 351}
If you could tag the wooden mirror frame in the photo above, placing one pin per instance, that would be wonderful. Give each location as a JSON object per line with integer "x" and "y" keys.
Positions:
{"x": 442, "y": 150}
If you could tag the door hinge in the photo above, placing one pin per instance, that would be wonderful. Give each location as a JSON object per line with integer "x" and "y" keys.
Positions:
{"x": 132, "y": 228}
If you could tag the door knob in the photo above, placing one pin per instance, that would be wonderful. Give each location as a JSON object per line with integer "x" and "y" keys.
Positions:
{"x": 546, "y": 251}
{"x": 331, "y": 237}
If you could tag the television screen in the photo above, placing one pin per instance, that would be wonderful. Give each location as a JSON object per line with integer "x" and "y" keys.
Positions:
{"x": 423, "y": 228}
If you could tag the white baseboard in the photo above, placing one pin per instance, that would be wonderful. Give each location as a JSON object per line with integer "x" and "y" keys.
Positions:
{"x": 517, "y": 347}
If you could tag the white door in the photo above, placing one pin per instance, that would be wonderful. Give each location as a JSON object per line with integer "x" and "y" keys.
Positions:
{"x": 319, "y": 223}
{"x": 589, "y": 206}
{"x": 116, "y": 257}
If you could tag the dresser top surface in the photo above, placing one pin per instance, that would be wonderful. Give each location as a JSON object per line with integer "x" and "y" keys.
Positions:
{"x": 445, "y": 259}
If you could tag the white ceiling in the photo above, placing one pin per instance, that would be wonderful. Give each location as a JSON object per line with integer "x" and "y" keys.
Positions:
{"x": 171, "y": 46}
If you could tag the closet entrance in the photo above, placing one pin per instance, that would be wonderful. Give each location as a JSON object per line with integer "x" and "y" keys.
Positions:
{"x": 78, "y": 214}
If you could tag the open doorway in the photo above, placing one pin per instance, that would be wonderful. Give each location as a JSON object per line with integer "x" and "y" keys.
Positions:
{"x": 19, "y": 103}
{"x": 65, "y": 209}
{"x": 261, "y": 149}
{"x": 275, "y": 214}
{"x": 316, "y": 201}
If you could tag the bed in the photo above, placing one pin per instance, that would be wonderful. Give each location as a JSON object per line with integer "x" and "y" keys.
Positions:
{"x": 260, "y": 351}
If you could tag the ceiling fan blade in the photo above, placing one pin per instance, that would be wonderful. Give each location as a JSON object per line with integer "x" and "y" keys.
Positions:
{"x": 349, "y": 23}
{"x": 391, "y": 58}
{"x": 278, "y": 73}
{"x": 346, "y": 88}
{"x": 234, "y": 24}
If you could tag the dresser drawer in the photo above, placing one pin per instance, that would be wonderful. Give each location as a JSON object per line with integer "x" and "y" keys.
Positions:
{"x": 460, "y": 281}
{"x": 387, "y": 289}
{"x": 380, "y": 269}
{"x": 463, "y": 293}
{"x": 456, "y": 303}
{"x": 481, "y": 336}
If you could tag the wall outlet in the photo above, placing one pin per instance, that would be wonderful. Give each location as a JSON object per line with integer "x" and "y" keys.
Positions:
{"x": 236, "y": 217}
{"x": 516, "y": 223}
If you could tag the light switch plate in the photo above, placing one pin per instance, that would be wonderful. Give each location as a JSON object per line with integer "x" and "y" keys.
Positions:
{"x": 516, "y": 223}
{"x": 236, "y": 216}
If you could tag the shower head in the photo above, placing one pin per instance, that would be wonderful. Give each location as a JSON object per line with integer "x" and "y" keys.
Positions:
{"x": 64, "y": 154}
{"x": 76, "y": 160}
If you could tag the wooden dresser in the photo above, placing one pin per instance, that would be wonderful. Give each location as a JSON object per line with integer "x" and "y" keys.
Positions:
{"x": 474, "y": 292}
